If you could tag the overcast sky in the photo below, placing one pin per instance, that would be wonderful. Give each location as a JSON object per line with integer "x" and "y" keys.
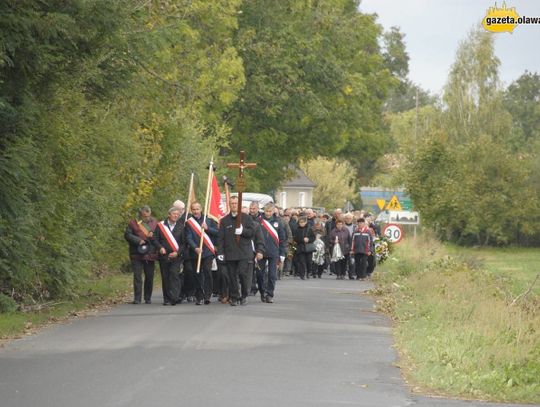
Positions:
{"x": 434, "y": 28}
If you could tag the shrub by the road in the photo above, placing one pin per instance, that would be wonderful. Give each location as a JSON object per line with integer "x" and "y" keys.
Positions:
{"x": 7, "y": 304}
{"x": 459, "y": 329}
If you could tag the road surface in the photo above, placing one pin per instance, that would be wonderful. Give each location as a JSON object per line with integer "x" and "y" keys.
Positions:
{"x": 319, "y": 344}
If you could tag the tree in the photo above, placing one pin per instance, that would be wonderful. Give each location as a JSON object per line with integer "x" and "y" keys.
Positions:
{"x": 462, "y": 174}
{"x": 396, "y": 58}
{"x": 50, "y": 48}
{"x": 105, "y": 106}
{"x": 403, "y": 97}
{"x": 315, "y": 83}
{"x": 522, "y": 100}
{"x": 190, "y": 74}
{"x": 335, "y": 182}
{"x": 473, "y": 95}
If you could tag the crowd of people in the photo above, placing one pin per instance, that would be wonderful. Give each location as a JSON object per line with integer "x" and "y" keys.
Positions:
{"x": 246, "y": 252}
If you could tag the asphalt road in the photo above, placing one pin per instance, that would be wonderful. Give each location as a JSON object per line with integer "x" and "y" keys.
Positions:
{"x": 319, "y": 344}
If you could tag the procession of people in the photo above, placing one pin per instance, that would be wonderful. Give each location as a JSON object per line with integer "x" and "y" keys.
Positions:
{"x": 232, "y": 259}
{"x": 230, "y": 251}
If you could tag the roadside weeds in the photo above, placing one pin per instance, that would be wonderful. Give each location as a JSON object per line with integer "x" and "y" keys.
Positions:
{"x": 459, "y": 331}
{"x": 93, "y": 296}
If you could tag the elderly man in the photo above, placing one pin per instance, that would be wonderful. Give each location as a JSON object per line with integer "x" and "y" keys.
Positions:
{"x": 139, "y": 234}
{"x": 170, "y": 242}
{"x": 187, "y": 278}
{"x": 180, "y": 205}
{"x": 310, "y": 216}
{"x": 275, "y": 240}
{"x": 194, "y": 228}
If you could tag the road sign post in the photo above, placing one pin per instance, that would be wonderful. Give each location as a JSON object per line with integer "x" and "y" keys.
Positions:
{"x": 394, "y": 204}
{"x": 393, "y": 232}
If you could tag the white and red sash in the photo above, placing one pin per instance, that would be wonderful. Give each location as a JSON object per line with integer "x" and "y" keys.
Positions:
{"x": 270, "y": 229}
{"x": 168, "y": 236}
{"x": 198, "y": 231}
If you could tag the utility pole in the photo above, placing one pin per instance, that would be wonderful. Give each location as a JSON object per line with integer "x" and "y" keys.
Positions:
{"x": 416, "y": 124}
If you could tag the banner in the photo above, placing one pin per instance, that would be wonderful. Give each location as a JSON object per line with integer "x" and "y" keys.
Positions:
{"x": 216, "y": 210}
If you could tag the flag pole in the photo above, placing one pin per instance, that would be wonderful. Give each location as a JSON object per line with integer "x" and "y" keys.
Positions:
{"x": 206, "y": 203}
{"x": 190, "y": 192}
{"x": 227, "y": 194}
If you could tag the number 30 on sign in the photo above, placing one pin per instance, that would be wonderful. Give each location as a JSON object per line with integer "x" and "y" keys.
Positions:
{"x": 393, "y": 232}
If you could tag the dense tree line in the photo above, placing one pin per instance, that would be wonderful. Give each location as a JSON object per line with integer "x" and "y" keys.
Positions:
{"x": 471, "y": 164}
{"x": 106, "y": 105}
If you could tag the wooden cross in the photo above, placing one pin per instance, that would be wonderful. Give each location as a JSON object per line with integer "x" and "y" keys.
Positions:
{"x": 240, "y": 185}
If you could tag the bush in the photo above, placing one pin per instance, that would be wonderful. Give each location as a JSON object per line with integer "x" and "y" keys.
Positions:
{"x": 7, "y": 304}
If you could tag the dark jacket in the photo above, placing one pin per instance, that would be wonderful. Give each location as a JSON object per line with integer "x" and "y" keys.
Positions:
{"x": 344, "y": 239}
{"x": 134, "y": 235}
{"x": 258, "y": 238}
{"x": 271, "y": 247}
{"x": 293, "y": 224}
{"x": 160, "y": 241}
{"x": 288, "y": 233}
{"x": 193, "y": 240}
{"x": 227, "y": 245}
{"x": 362, "y": 241}
{"x": 329, "y": 226}
{"x": 299, "y": 234}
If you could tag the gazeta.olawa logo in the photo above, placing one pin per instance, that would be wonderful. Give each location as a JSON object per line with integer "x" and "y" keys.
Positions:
{"x": 499, "y": 20}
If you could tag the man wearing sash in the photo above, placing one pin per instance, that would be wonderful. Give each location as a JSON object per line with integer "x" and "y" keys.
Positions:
{"x": 275, "y": 240}
{"x": 139, "y": 234}
{"x": 237, "y": 254}
{"x": 194, "y": 227}
{"x": 169, "y": 240}
{"x": 187, "y": 277}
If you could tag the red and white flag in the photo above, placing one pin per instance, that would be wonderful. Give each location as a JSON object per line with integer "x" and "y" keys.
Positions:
{"x": 215, "y": 208}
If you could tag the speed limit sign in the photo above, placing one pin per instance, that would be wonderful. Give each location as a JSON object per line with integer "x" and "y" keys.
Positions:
{"x": 393, "y": 232}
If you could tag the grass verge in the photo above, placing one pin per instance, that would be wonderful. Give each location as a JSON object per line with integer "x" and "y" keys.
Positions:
{"x": 516, "y": 267}
{"x": 92, "y": 295}
{"x": 461, "y": 330}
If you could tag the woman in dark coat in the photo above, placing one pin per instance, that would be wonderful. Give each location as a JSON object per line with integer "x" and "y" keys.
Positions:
{"x": 303, "y": 236}
{"x": 340, "y": 235}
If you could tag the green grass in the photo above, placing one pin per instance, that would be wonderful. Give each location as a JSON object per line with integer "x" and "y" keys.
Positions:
{"x": 517, "y": 267}
{"x": 90, "y": 295}
{"x": 457, "y": 330}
